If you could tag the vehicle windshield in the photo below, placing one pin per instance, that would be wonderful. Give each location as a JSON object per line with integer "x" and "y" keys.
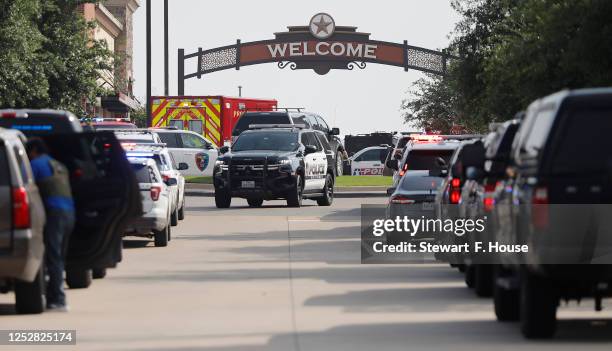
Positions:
{"x": 142, "y": 172}
{"x": 276, "y": 141}
{"x": 426, "y": 159}
{"x": 259, "y": 118}
{"x": 424, "y": 182}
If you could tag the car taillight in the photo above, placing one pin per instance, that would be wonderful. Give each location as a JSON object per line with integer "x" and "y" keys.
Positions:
{"x": 456, "y": 182}
{"x": 404, "y": 169}
{"x": 155, "y": 191}
{"x": 488, "y": 201}
{"x": 539, "y": 215}
{"x": 400, "y": 199}
{"x": 455, "y": 196}
{"x": 21, "y": 209}
{"x": 165, "y": 178}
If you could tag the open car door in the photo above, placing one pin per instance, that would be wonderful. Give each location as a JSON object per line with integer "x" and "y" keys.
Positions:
{"x": 106, "y": 197}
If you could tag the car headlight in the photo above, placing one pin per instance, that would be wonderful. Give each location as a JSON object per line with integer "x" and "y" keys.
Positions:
{"x": 284, "y": 162}
{"x": 219, "y": 163}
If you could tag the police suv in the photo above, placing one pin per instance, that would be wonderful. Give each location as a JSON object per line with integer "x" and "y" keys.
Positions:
{"x": 269, "y": 162}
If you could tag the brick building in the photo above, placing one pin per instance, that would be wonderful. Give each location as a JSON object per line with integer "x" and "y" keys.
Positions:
{"x": 114, "y": 25}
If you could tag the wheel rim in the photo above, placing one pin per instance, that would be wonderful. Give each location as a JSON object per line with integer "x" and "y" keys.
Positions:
{"x": 330, "y": 188}
{"x": 339, "y": 163}
{"x": 299, "y": 190}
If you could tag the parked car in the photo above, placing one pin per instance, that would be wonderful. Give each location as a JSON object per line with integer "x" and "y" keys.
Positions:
{"x": 414, "y": 197}
{"x": 107, "y": 123}
{"x": 103, "y": 186}
{"x": 170, "y": 172}
{"x": 191, "y": 148}
{"x": 478, "y": 201}
{"x": 22, "y": 218}
{"x": 422, "y": 153}
{"x": 156, "y": 203}
{"x": 276, "y": 163}
{"x": 307, "y": 119}
{"x": 369, "y": 161}
{"x": 130, "y": 137}
{"x": 560, "y": 191}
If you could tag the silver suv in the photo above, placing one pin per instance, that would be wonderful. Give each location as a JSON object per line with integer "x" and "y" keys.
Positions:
{"x": 22, "y": 218}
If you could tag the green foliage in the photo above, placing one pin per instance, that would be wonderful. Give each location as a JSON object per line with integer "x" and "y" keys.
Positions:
{"x": 47, "y": 58}
{"x": 513, "y": 52}
{"x": 139, "y": 117}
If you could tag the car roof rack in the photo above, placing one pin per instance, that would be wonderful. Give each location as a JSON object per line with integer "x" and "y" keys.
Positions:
{"x": 275, "y": 109}
{"x": 272, "y": 126}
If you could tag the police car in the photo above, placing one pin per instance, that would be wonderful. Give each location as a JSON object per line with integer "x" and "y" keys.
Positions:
{"x": 369, "y": 161}
{"x": 276, "y": 162}
{"x": 169, "y": 170}
{"x": 190, "y": 148}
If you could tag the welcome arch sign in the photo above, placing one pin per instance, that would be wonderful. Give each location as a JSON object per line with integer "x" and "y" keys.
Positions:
{"x": 321, "y": 46}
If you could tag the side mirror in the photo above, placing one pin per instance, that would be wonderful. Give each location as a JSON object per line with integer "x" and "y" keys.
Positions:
{"x": 183, "y": 166}
{"x": 390, "y": 191}
{"x": 224, "y": 150}
{"x": 393, "y": 164}
{"x": 171, "y": 182}
{"x": 310, "y": 149}
{"x": 334, "y": 131}
{"x": 474, "y": 173}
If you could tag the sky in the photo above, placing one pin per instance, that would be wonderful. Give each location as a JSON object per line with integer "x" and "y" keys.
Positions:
{"x": 358, "y": 101}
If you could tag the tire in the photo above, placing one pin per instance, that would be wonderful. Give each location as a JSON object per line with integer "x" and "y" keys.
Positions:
{"x": 483, "y": 284}
{"x": 181, "y": 211}
{"x": 30, "y": 297}
{"x": 328, "y": 198}
{"x": 98, "y": 273}
{"x": 255, "y": 202}
{"x": 538, "y": 310}
{"x": 161, "y": 237}
{"x": 294, "y": 197}
{"x": 174, "y": 218}
{"x": 506, "y": 301}
{"x": 78, "y": 278}
{"x": 339, "y": 163}
{"x": 169, "y": 234}
{"x": 470, "y": 276}
{"x": 222, "y": 199}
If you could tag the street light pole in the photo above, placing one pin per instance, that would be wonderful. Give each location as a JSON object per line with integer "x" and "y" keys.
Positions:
{"x": 166, "y": 62}
{"x": 148, "y": 43}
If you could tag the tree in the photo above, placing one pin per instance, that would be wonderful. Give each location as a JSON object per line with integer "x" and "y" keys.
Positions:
{"x": 48, "y": 59}
{"x": 22, "y": 77}
{"x": 513, "y": 52}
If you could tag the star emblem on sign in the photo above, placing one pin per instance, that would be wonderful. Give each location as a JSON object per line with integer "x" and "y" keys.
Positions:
{"x": 322, "y": 26}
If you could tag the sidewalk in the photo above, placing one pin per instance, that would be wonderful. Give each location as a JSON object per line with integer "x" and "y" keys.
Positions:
{"x": 208, "y": 190}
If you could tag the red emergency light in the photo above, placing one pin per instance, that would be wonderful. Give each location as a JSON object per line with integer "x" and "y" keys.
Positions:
{"x": 426, "y": 138}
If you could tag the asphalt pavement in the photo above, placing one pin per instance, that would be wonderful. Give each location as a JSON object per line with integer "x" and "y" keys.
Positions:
{"x": 276, "y": 278}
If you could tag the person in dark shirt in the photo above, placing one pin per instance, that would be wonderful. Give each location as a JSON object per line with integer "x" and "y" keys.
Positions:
{"x": 53, "y": 183}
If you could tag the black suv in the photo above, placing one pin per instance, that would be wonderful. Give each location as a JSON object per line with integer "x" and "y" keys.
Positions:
{"x": 276, "y": 162}
{"x": 104, "y": 188}
{"x": 307, "y": 119}
{"x": 558, "y": 202}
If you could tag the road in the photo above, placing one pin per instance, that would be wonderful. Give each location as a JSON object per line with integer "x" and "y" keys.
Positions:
{"x": 285, "y": 279}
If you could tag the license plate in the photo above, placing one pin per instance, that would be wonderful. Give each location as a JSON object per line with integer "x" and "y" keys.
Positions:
{"x": 249, "y": 184}
{"x": 428, "y": 206}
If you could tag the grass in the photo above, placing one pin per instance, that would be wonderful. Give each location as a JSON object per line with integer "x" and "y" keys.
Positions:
{"x": 199, "y": 180}
{"x": 364, "y": 181}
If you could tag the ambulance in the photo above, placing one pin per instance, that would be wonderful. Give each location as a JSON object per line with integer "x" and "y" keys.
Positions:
{"x": 213, "y": 117}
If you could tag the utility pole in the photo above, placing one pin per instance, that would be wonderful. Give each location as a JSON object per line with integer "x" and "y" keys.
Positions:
{"x": 166, "y": 62}
{"x": 148, "y": 40}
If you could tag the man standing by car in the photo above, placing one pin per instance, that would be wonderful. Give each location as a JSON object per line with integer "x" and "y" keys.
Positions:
{"x": 54, "y": 184}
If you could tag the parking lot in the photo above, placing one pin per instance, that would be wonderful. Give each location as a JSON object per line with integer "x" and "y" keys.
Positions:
{"x": 276, "y": 278}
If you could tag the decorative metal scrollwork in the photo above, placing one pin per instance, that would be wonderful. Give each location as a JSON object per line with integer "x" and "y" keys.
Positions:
{"x": 356, "y": 64}
{"x": 431, "y": 61}
{"x": 283, "y": 64}
{"x": 218, "y": 59}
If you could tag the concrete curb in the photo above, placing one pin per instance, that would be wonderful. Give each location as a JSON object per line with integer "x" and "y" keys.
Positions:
{"x": 340, "y": 189}
{"x": 340, "y": 195}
